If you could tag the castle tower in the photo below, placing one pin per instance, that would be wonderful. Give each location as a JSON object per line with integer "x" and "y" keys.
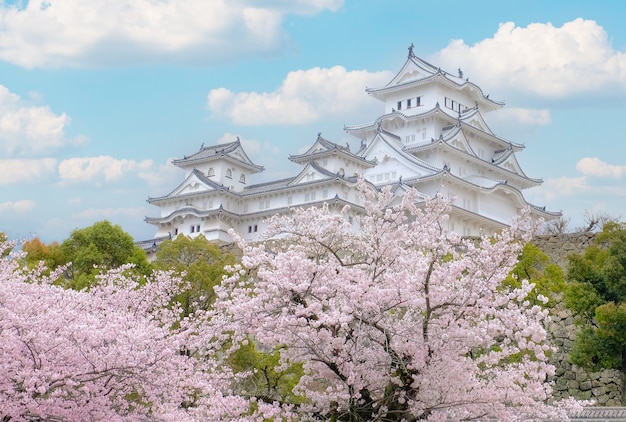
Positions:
{"x": 433, "y": 137}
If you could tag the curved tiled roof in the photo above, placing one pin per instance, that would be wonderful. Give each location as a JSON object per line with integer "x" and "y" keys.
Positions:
{"x": 400, "y": 151}
{"x": 496, "y": 185}
{"x": 434, "y": 75}
{"x": 331, "y": 148}
{"x": 436, "y": 111}
{"x": 194, "y": 173}
{"x": 217, "y": 152}
{"x": 507, "y": 174}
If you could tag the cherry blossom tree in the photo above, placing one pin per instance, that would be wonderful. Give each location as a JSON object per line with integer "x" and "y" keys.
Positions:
{"x": 391, "y": 317}
{"x": 118, "y": 351}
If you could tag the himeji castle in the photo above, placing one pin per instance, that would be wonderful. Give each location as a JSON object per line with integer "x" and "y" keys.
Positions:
{"x": 432, "y": 136}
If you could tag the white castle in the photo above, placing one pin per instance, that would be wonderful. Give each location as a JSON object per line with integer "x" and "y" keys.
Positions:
{"x": 431, "y": 137}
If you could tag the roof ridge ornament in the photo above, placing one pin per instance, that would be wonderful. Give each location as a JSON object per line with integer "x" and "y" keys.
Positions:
{"x": 411, "y": 54}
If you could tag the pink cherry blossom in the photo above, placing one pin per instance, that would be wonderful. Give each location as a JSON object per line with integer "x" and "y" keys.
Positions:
{"x": 392, "y": 317}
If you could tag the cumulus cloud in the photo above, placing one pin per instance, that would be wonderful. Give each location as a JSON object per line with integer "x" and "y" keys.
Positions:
{"x": 514, "y": 118}
{"x": 304, "y": 96}
{"x": 30, "y": 129}
{"x": 87, "y": 33}
{"x": 91, "y": 169}
{"x": 17, "y": 207}
{"x": 110, "y": 213}
{"x": 26, "y": 170}
{"x": 251, "y": 146}
{"x": 596, "y": 167}
{"x": 564, "y": 186}
{"x": 545, "y": 60}
{"x": 160, "y": 176}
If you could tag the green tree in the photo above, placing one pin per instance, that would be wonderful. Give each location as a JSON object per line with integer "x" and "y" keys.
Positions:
{"x": 37, "y": 251}
{"x": 99, "y": 247}
{"x": 535, "y": 266}
{"x": 265, "y": 380}
{"x": 596, "y": 294}
{"x": 200, "y": 262}
{"x": 3, "y": 239}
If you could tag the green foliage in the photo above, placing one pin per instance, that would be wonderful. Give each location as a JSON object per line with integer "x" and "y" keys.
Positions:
{"x": 97, "y": 247}
{"x": 4, "y": 238}
{"x": 602, "y": 346}
{"x": 266, "y": 381}
{"x": 535, "y": 266}
{"x": 596, "y": 294}
{"x": 51, "y": 255}
{"x": 200, "y": 262}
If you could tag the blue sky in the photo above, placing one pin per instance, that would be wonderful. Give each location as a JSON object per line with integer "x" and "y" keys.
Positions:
{"x": 96, "y": 97}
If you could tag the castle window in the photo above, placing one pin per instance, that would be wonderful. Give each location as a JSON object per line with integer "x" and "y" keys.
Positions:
{"x": 192, "y": 229}
{"x": 399, "y": 105}
{"x": 211, "y": 172}
{"x": 242, "y": 178}
{"x": 263, "y": 205}
{"x": 289, "y": 200}
{"x": 176, "y": 231}
{"x": 408, "y": 103}
{"x": 255, "y": 227}
{"x": 418, "y": 101}
{"x": 198, "y": 228}
{"x": 229, "y": 173}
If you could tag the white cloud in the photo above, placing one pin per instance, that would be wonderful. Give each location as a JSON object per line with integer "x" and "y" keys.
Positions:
{"x": 26, "y": 170}
{"x": 163, "y": 175}
{"x": 75, "y": 201}
{"x": 92, "y": 169}
{"x": 545, "y": 60}
{"x": 596, "y": 167}
{"x": 87, "y": 33}
{"x": 252, "y": 146}
{"x": 563, "y": 187}
{"x": 304, "y": 96}
{"x": 520, "y": 117}
{"x": 110, "y": 213}
{"x": 26, "y": 128}
{"x": 17, "y": 207}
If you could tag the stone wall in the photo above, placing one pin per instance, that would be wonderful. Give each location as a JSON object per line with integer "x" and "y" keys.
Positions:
{"x": 570, "y": 380}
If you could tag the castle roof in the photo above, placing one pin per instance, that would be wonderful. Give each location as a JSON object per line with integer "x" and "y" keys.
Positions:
{"x": 416, "y": 72}
{"x": 232, "y": 151}
{"x": 322, "y": 148}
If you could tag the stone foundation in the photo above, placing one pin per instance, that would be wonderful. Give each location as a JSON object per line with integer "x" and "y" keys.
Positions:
{"x": 571, "y": 381}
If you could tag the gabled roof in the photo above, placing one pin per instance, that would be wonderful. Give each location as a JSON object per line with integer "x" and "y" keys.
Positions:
{"x": 416, "y": 71}
{"x": 479, "y": 182}
{"x": 506, "y": 160}
{"x": 232, "y": 152}
{"x": 324, "y": 148}
{"x": 363, "y": 130}
{"x": 194, "y": 178}
{"x": 474, "y": 118}
{"x": 320, "y": 174}
{"x": 469, "y": 121}
{"x": 393, "y": 145}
